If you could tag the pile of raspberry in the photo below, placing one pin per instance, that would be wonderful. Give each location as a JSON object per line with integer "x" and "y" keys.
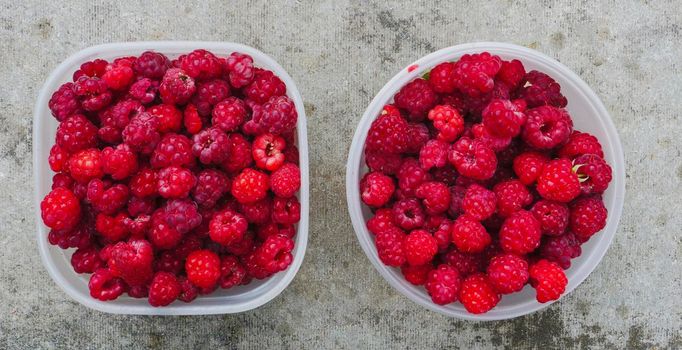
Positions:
{"x": 173, "y": 177}
{"x": 479, "y": 184}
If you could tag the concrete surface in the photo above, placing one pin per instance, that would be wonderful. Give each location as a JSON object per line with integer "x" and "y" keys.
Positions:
{"x": 341, "y": 53}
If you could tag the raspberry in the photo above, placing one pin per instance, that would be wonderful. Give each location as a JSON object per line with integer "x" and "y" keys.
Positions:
{"x": 112, "y": 228}
{"x": 119, "y": 75}
{"x": 388, "y": 133}
{"x": 138, "y": 291}
{"x": 175, "y": 182}
{"x": 144, "y": 90}
{"x": 144, "y": 183}
{"x": 60, "y": 209}
{"x": 107, "y": 200}
{"x": 227, "y": 227}
{"x": 594, "y": 173}
{"x": 169, "y": 118}
{"x": 473, "y": 159}
{"x": 277, "y": 116}
{"x": 560, "y": 249}
{"x": 141, "y": 134}
{"x": 203, "y": 268}
{"x": 258, "y": 212}
{"x": 286, "y": 181}
{"x": 552, "y": 216}
{"x": 211, "y": 186}
{"x": 419, "y": 247}
{"x": 208, "y": 94}
{"x": 108, "y": 131}
{"x": 528, "y": 166}
{"x": 477, "y": 294}
{"x": 440, "y": 227}
{"x": 201, "y": 64}
{"x": 447, "y": 121}
{"x": 503, "y": 118}
{"x": 512, "y": 196}
{"x": 511, "y": 73}
{"x": 264, "y": 87}
{"x": 465, "y": 263}
{"x": 389, "y": 245}
{"x": 86, "y": 165}
{"x": 548, "y": 279}
{"x": 132, "y": 261}
{"x": 507, "y": 273}
{"x": 151, "y": 65}
{"x": 105, "y": 286}
{"x": 92, "y": 93}
{"x": 64, "y": 102}
{"x": 62, "y": 180}
{"x": 442, "y": 78}
{"x": 382, "y": 221}
{"x": 229, "y": 114}
{"x": 558, "y": 182}
{"x": 94, "y": 68}
{"x": 79, "y": 237}
{"x": 409, "y": 214}
{"x": 520, "y": 233}
{"x": 457, "y": 194}
{"x": 86, "y": 260}
{"x": 247, "y": 244}
{"x": 139, "y": 226}
{"x": 447, "y": 175}
{"x": 479, "y": 203}
{"x": 58, "y": 158}
{"x": 119, "y": 162}
{"x": 474, "y": 73}
{"x": 546, "y": 127}
{"x": 469, "y": 235}
{"x": 76, "y": 133}
{"x": 164, "y": 289}
{"x": 168, "y": 262}
{"x": 240, "y": 68}
{"x": 181, "y": 214}
{"x": 211, "y": 146}
{"x": 376, "y": 189}
{"x": 177, "y": 87}
{"x": 188, "y": 291}
{"x": 416, "y": 97}
{"x": 588, "y": 216}
{"x": 580, "y": 143}
{"x": 496, "y": 143}
{"x": 250, "y": 186}
{"x": 267, "y": 151}
{"x": 540, "y": 89}
{"x": 253, "y": 269}
{"x": 387, "y": 163}
{"x": 275, "y": 253}
{"x": 433, "y": 154}
{"x": 239, "y": 155}
{"x": 188, "y": 244}
{"x": 418, "y": 134}
{"x": 417, "y": 275}
{"x": 443, "y": 284}
{"x": 286, "y": 210}
{"x": 172, "y": 150}
{"x": 435, "y": 197}
{"x": 410, "y": 176}
{"x": 232, "y": 272}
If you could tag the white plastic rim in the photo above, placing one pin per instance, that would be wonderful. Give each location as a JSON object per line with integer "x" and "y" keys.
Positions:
{"x": 588, "y": 113}
{"x": 56, "y": 260}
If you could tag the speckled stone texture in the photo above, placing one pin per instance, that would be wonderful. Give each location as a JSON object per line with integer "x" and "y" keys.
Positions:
{"x": 341, "y": 53}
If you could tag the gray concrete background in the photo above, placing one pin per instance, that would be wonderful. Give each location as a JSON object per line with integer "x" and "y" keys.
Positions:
{"x": 340, "y": 53}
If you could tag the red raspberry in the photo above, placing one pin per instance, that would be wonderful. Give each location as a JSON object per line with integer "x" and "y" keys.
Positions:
{"x": 477, "y": 294}
{"x": 418, "y": 135}
{"x": 232, "y": 272}
{"x": 151, "y": 65}
{"x": 78, "y": 237}
{"x": 511, "y": 73}
{"x": 163, "y": 235}
{"x": 588, "y": 216}
{"x": 496, "y": 143}
{"x": 76, "y": 133}
{"x": 141, "y": 134}
{"x": 435, "y": 197}
{"x": 267, "y": 151}
{"x": 416, "y": 275}
{"x": 548, "y": 279}
{"x": 62, "y": 180}
{"x": 389, "y": 245}
{"x": 416, "y": 97}
{"x": 92, "y": 93}
{"x": 457, "y": 193}
{"x": 440, "y": 227}
{"x": 94, "y": 68}
{"x": 181, "y": 214}
{"x": 387, "y": 163}
{"x": 188, "y": 291}
{"x": 558, "y": 182}
{"x": 253, "y": 269}
{"x": 473, "y": 159}
{"x": 443, "y": 284}
{"x": 520, "y": 233}
{"x": 58, "y": 158}
{"x": 139, "y": 226}
{"x": 86, "y": 165}
{"x": 507, "y": 273}
{"x": 382, "y": 221}
{"x": 247, "y": 244}
{"x": 376, "y": 189}
{"x": 208, "y": 94}
{"x": 257, "y": 213}
{"x": 580, "y": 143}
{"x": 409, "y": 214}
{"x": 191, "y": 119}
{"x": 503, "y": 118}
{"x": 172, "y": 150}
{"x": 168, "y": 261}
{"x": 240, "y": 68}
{"x": 64, "y": 102}
{"x": 132, "y": 261}
{"x": 175, "y": 182}
{"x": 164, "y": 289}
{"x": 188, "y": 244}
{"x": 540, "y": 89}
{"x": 469, "y": 235}
{"x": 112, "y": 228}
{"x": 447, "y": 121}
{"x": 286, "y": 181}
{"x": 86, "y": 260}
{"x": 277, "y": 116}
{"x": 105, "y": 286}
{"x": 203, "y": 268}
{"x": 274, "y": 254}
{"x": 227, "y": 227}
{"x": 479, "y": 203}
{"x": 250, "y": 186}
{"x": 60, "y": 209}
{"x": 552, "y": 216}
{"x": 410, "y": 176}
{"x": 286, "y": 210}
{"x": 264, "y": 87}
{"x": 512, "y": 196}
{"x": 119, "y": 162}
{"x": 211, "y": 146}
{"x": 560, "y": 249}
{"x": 107, "y": 199}
{"x": 177, "y": 87}
{"x": 272, "y": 228}
{"x": 442, "y": 78}
{"x": 239, "y": 156}
{"x": 144, "y": 90}
{"x": 528, "y": 166}
{"x": 474, "y": 73}
{"x": 594, "y": 173}
{"x": 201, "y": 64}
{"x": 169, "y": 118}
{"x": 229, "y": 114}
{"x": 122, "y": 112}
{"x": 546, "y": 127}
{"x": 119, "y": 74}
{"x": 211, "y": 186}
{"x": 465, "y": 263}
{"x": 434, "y": 154}
{"x": 419, "y": 247}
{"x": 388, "y": 133}
{"x": 143, "y": 183}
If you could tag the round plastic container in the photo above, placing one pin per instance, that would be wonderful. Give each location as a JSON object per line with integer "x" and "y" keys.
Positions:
{"x": 588, "y": 114}
{"x": 57, "y": 261}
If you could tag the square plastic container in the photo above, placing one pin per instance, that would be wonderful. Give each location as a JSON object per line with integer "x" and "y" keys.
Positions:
{"x": 57, "y": 261}
{"x": 588, "y": 115}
